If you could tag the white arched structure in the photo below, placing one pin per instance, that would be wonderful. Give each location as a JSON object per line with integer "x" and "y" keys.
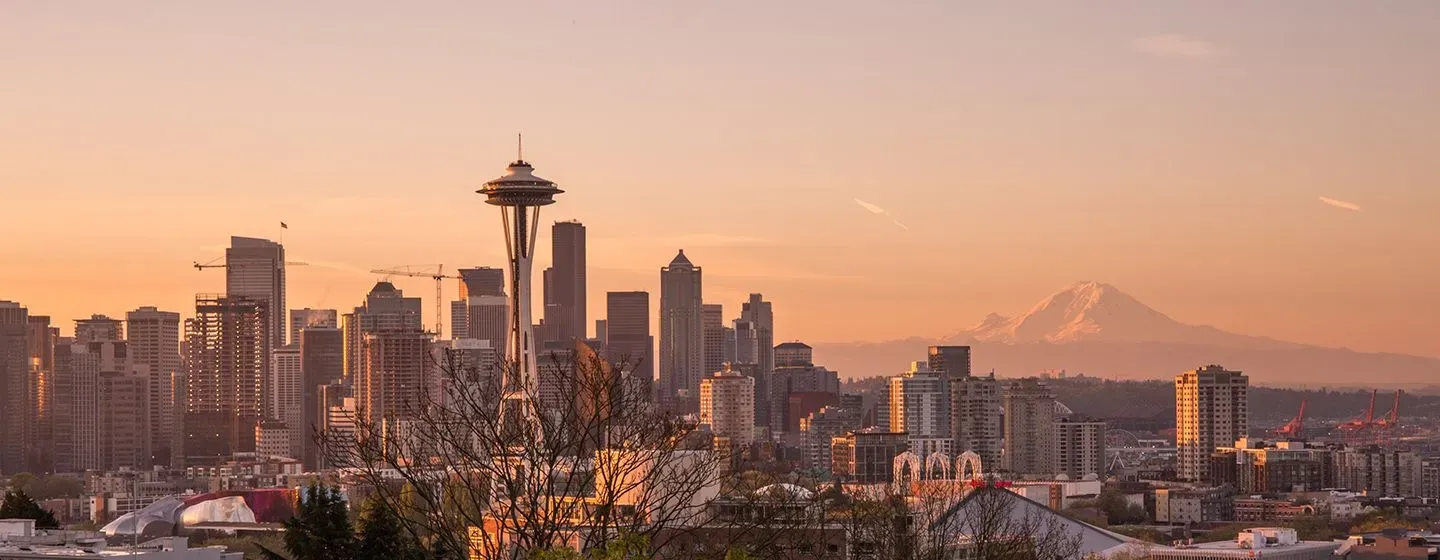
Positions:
{"x": 969, "y": 460}
{"x": 940, "y": 462}
{"x": 907, "y": 467}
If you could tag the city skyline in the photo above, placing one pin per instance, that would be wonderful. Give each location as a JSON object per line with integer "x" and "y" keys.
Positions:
{"x": 990, "y": 155}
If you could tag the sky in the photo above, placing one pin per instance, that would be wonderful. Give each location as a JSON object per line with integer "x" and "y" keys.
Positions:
{"x": 878, "y": 170}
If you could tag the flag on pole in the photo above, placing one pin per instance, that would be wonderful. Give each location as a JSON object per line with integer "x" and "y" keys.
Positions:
{"x": 283, "y": 226}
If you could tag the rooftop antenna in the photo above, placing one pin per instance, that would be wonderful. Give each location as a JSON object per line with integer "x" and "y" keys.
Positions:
{"x": 519, "y": 146}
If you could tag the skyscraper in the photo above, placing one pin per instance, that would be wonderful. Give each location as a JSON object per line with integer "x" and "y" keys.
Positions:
{"x": 481, "y": 310}
{"x": 567, "y": 282}
{"x": 975, "y": 407}
{"x": 761, "y": 317}
{"x": 1079, "y": 446}
{"x": 226, "y": 344}
{"x": 713, "y": 322}
{"x": 255, "y": 268}
{"x": 1029, "y": 428}
{"x": 920, "y": 407}
{"x": 322, "y": 363}
{"x": 307, "y": 317}
{"x": 98, "y": 328}
{"x": 41, "y": 342}
{"x": 287, "y": 395}
{"x": 385, "y": 308}
{"x": 953, "y": 360}
{"x": 124, "y": 436}
{"x": 396, "y": 370}
{"x": 727, "y": 405}
{"x": 154, "y": 342}
{"x": 682, "y": 334}
{"x": 482, "y": 281}
{"x": 16, "y": 419}
{"x": 1211, "y": 410}
{"x": 815, "y": 386}
{"x": 78, "y": 423}
{"x": 628, "y": 339}
{"x": 488, "y": 319}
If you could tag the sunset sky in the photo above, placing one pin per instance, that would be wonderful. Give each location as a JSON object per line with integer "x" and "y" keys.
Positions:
{"x": 877, "y": 169}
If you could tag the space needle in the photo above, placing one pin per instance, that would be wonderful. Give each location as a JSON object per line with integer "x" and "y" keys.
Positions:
{"x": 519, "y": 193}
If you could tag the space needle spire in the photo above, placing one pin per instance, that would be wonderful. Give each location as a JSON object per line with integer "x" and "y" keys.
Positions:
{"x": 520, "y": 193}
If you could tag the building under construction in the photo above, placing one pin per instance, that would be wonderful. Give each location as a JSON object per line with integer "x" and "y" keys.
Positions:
{"x": 227, "y": 344}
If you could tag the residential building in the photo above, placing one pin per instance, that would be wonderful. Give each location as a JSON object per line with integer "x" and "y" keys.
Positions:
{"x": 1190, "y": 506}
{"x": 823, "y": 426}
{"x": 123, "y": 431}
{"x": 793, "y": 354}
{"x": 713, "y": 323}
{"x": 788, "y": 380}
{"x": 1029, "y": 428}
{"x": 1079, "y": 446}
{"x": 99, "y": 328}
{"x": 1211, "y": 411}
{"x": 1258, "y": 467}
{"x": 287, "y": 396}
{"x": 975, "y": 415}
{"x": 953, "y": 360}
{"x": 393, "y": 376}
{"x": 867, "y": 456}
{"x": 727, "y": 405}
{"x": 682, "y": 334}
{"x": 920, "y": 407}
{"x": 385, "y": 309}
{"x": 1379, "y": 471}
{"x": 153, "y": 338}
{"x": 226, "y": 347}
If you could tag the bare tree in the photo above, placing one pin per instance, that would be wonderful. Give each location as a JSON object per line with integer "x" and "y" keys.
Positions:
{"x": 596, "y": 462}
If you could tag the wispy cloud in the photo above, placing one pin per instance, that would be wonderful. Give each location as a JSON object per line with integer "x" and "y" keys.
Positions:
{"x": 873, "y": 209}
{"x": 687, "y": 240}
{"x": 1351, "y": 206}
{"x": 1172, "y": 45}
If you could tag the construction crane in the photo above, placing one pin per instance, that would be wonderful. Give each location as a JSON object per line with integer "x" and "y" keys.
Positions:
{"x": 1295, "y": 429}
{"x": 416, "y": 271}
{"x": 213, "y": 264}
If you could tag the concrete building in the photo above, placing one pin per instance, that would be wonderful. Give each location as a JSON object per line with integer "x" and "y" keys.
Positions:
{"x": 567, "y": 281}
{"x": 794, "y": 354}
{"x": 727, "y": 405}
{"x": 274, "y": 439}
{"x": 1079, "y": 446}
{"x": 1272, "y": 543}
{"x": 713, "y": 323}
{"x": 628, "y": 339}
{"x": 1378, "y": 471}
{"x": 920, "y": 407}
{"x": 99, "y": 328}
{"x": 227, "y": 353}
{"x": 1211, "y": 411}
{"x": 322, "y": 363}
{"x": 867, "y": 456}
{"x": 16, "y": 389}
{"x": 41, "y": 340}
{"x": 385, "y": 309}
{"x": 287, "y": 396}
{"x": 311, "y": 318}
{"x": 154, "y": 342}
{"x": 255, "y": 268}
{"x": 682, "y": 334}
{"x": 953, "y": 360}
{"x": 394, "y": 374}
{"x": 1029, "y": 428}
{"x": 1258, "y": 467}
{"x": 1189, "y": 506}
{"x": 789, "y": 380}
{"x": 123, "y": 428}
{"x": 821, "y": 427}
{"x": 487, "y": 317}
{"x": 975, "y": 409}
{"x": 482, "y": 281}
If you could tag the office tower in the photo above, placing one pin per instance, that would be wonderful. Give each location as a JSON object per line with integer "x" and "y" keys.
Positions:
{"x": 385, "y": 309}
{"x": 920, "y": 407}
{"x": 682, "y": 335}
{"x": 1029, "y": 428}
{"x": 41, "y": 340}
{"x": 98, "y": 328}
{"x": 793, "y": 354}
{"x": 953, "y": 360}
{"x": 813, "y": 383}
{"x": 867, "y": 456}
{"x": 226, "y": 347}
{"x": 124, "y": 432}
{"x": 487, "y": 318}
{"x": 287, "y": 396}
{"x": 713, "y": 322}
{"x": 975, "y": 407}
{"x": 628, "y": 340}
{"x": 567, "y": 282}
{"x": 727, "y": 405}
{"x": 322, "y": 363}
{"x": 395, "y": 370}
{"x": 1079, "y": 446}
{"x": 16, "y": 419}
{"x": 307, "y": 317}
{"x": 744, "y": 344}
{"x": 761, "y": 317}
{"x": 255, "y": 268}
{"x": 154, "y": 342}
{"x": 1211, "y": 411}
{"x": 77, "y": 419}
{"x": 482, "y": 281}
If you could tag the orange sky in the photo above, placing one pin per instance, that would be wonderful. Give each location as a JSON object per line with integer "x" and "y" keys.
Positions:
{"x": 1176, "y": 150}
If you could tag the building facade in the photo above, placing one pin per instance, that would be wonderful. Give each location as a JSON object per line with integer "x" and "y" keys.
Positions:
{"x": 227, "y": 354}
{"x": 1211, "y": 411}
{"x": 154, "y": 340}
{"x": 920, "y": 407}
{"x": 1029, "y": 428}
{"x": 682, "y": 334}
{"x": 1079, "y": 447}
{"x": 727, "y": 405}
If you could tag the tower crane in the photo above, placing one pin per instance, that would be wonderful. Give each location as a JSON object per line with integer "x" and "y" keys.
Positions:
{"x": 213, "y": 264}
{"x": 1295, "y": 429}
{"x": 417, "y": 271}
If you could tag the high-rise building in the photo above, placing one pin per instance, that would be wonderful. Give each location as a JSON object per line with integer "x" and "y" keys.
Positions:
{"x": 822, "y": 426}
{"x": 786, "y": 381}
{"x": 154, "y": 342}
{"x": 487, "y": 318}
{"x": 307, "y": 317}
{"x": 727, "y": 405}
{"x": 953, "y": 360}
{"x": 255, "y": 268}
{"x": 98, "y": 328}
{"x": 395, "y": 371}
{"x": 793, "y": 354}
{"x": 867, "y": 456}
{"x": 1029, "y": 428}
{"x": 124, "y": 434}
{"x": 41, "y": 340}
{"x": 226, "y": 348}
{"x": 627, "y": 336}
{"x": 1211, "y": 410}
{"x": 385, "y": 309}
{"x": 322, "y": 363}
{"x": 682, "y": 334}
{"x": 482, "y": 281}
{"x": 975, "y": 410}
{"x": 287, "y": 395}
{"x": 1079, "y": 446}
{"x": 78, "y": 408}
{"x": 761, "y": 317}
{"x": 567, "y": 281}
{"x": 713, "y": 322}
{"x": 920, "y": 407}
{"x": 16, "y": 418}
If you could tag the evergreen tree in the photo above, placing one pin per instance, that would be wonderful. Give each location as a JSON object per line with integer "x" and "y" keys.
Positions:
{"x": 321, "y": 528}
{"x": 19, "y": 505}
{"x": 383, "y": 538}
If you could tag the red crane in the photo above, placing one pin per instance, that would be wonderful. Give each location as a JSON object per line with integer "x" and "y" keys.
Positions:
{"x": 1295, "y": 429}
{"x": 1387, "y": 424}
{"x": 1355, "y": 430}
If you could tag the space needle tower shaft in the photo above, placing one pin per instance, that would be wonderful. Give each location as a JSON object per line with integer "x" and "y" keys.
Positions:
{"x": 520, "y": 194}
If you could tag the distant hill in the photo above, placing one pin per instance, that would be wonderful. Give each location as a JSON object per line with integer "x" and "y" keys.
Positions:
{"x": 1096, "y": 329}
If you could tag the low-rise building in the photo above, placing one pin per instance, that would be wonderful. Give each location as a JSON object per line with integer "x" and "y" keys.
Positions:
{"x": 1183, "y": 506}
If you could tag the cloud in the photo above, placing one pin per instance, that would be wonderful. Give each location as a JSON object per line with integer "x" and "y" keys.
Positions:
{"x": 1175, "y": 46}
{"x": 881, "y": 212}
{"x": 1351, "y": 206}
{"x": 687, "y": 240}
